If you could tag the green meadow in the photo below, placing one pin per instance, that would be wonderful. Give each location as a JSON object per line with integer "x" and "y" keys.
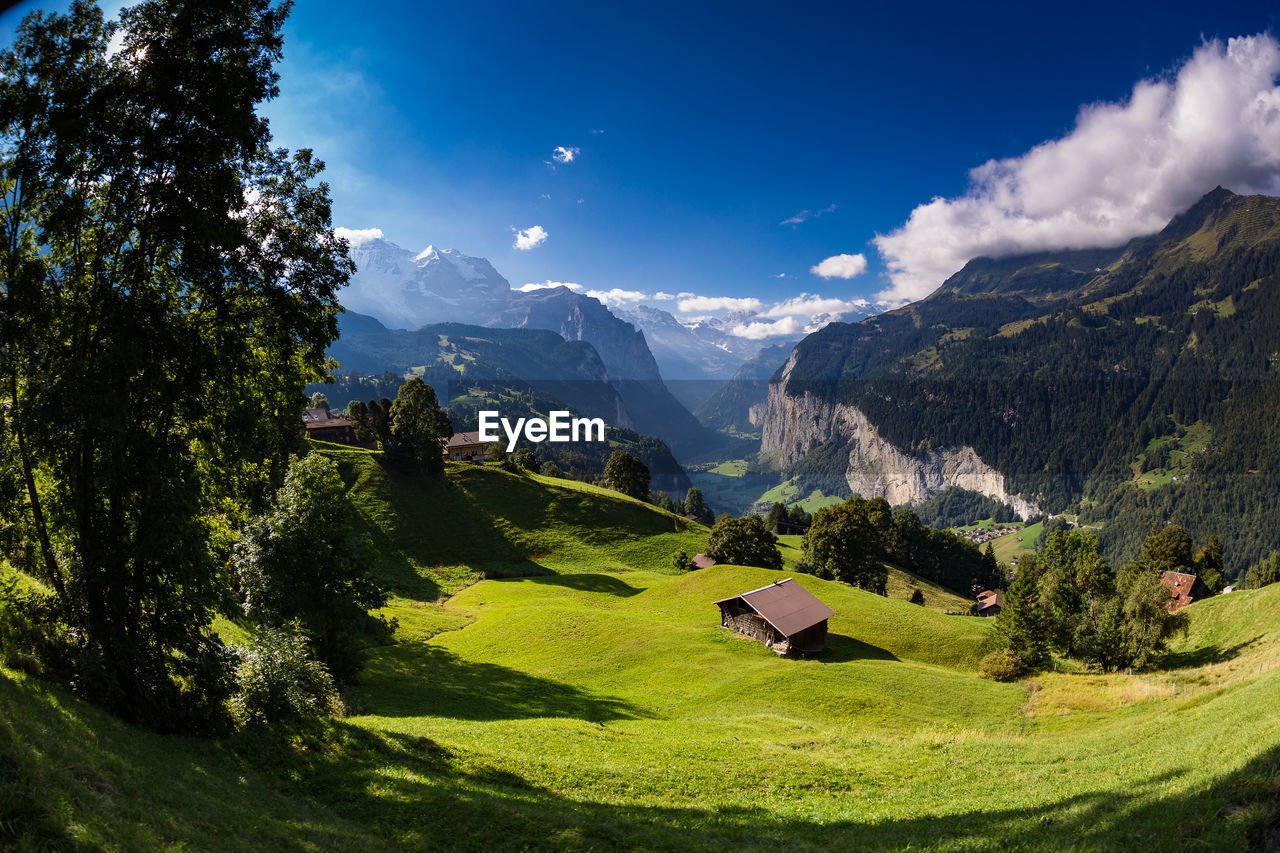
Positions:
{"x": 554, "y": 686}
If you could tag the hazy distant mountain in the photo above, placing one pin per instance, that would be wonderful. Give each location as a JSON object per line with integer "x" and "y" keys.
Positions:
{"x": 730, "y": 407}
{"x": 703, "y": 350}
{"x": 406, "y": 291}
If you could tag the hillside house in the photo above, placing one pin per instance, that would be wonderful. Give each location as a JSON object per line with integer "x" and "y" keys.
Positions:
{"x": 783, "y": 615}
{"x": 989, "y": 603}
{"x": 465, "y": 447}
{"x": 1183, "y": 589}
{"x": 320, "y": 425}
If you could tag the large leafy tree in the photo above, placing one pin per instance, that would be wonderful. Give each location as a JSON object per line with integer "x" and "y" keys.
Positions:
{"x": 306, "y": 560}
{"x": 169, "y": 287}
{"x": 627, "y": 474}
{"x": 743, "y": 542}
{"x": 844, "y": 542}
{"x": 418, "y": 425}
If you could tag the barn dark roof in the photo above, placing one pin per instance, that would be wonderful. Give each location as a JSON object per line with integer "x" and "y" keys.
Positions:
{"x": 463, "y": 439}
{"x": 786, "y": 605}
{"x": 1183, "y": 589}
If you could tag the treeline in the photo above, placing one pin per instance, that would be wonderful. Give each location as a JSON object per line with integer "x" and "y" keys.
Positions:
{"x": 1066, "y": 599}
{"x": 852, "y": 543}
{"x": 957, "y": 507}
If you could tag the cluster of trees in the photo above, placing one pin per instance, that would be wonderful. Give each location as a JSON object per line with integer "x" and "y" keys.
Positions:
{"x": 409, "y": 428}
{"x": 169, "y": 287}
{"x": 1066, "y": 599}
{"x": 693, "y": 504}
{"x": 1264, "y": 572}
{"x": 852, "y": 542}
{"x": 956, "y": 507}
{"x": 783, "y": 521}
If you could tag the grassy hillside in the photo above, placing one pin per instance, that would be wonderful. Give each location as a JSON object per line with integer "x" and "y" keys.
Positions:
{"x": 598, "y": 706}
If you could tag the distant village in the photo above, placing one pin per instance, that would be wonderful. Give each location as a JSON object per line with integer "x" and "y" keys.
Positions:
{"x": 981, "y": 536}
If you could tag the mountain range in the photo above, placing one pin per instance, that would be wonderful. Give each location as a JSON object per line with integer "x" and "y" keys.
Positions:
{"x": 1132, "y": 386}
{"x": 405, "y": 291}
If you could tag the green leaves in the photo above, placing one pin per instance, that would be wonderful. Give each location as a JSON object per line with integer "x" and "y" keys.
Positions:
{"x": 170, "y": 286}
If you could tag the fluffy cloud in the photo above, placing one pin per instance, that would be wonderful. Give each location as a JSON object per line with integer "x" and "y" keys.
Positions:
{"x": 356, "y": 236}
{"x": 759, "y": 329}
{"x": 664, "y": 297}
{"x": 535, "y": 235}
{"x": 806, "y": 215}
{"x": 617, "y": 296}
{"x": 750, "y": 318}
{"x": 689, "y": 303}
{"x": 1123, "y": 170}
{"x": 841, "y": 266}
{"x": 548, "y": 284}
{"x": 811, "y": 304}
{"x": 565, "y": 155}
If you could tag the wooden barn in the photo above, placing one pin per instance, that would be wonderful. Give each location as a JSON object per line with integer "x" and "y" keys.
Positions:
{"x": 990, "y": 603}
{"x": 783, "y": 615}
{"x": 1183, "y": 589}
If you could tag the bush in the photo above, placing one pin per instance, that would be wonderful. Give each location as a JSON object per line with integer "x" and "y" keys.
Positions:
{"x": 682, "y": 562}
{"x": 917, "y": 597}
{"x": 525, "y": 459}
{"x": 277, "y": 681}
{"x": 1002, "y": 665}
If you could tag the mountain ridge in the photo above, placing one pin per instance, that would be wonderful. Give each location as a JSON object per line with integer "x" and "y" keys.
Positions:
{"x": 1063, "y": 378}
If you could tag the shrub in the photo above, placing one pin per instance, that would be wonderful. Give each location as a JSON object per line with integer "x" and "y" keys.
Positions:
{"x": 1002, "y": 665}
{"x": 277, "y": 680}
{"x": 682, "y": 562}
{"x": 525, "y": 459}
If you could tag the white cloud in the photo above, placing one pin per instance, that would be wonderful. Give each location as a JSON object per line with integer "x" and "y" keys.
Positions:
{"x": 690, "y": 303}
{"x": 1124, "y": 170}
{"x": 806, "y": 215}
{"x": 535, "y": 235}
{"x": 841, "y": 266}
{"x": 563, "y": 154}
{"x": 664, "y": 297}
{"x": 617, "y": 296}
{"x": 779, "y": 275}
{"x": 810, "y": 305}
{"x": 357, "y": 236}
{"x": 548, "y": 284}
{"x": 758, "y": 330}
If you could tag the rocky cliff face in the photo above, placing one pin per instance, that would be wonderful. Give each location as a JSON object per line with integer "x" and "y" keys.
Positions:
{"x": 794, "y": 424}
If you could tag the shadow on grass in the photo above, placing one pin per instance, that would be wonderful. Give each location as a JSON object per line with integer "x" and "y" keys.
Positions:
{"x": 1206, "y": 655}
{"x": 603, "y": 584}
{"x": 841, "y": 649}
{"x": 342, "y": 786}
{"x": 417, "y": 680}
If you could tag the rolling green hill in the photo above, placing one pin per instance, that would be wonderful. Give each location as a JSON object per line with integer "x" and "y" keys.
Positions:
{"x": 596, "y": 704}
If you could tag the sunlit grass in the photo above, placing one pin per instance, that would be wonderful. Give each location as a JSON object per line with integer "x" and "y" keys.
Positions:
{"x": 598, "y": 705}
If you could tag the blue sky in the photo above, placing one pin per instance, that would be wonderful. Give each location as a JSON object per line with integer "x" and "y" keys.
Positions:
{"x": 699, "y": 129}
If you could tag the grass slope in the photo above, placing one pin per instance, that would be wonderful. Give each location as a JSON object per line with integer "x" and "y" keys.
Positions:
{"x": 601, "y": 707}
